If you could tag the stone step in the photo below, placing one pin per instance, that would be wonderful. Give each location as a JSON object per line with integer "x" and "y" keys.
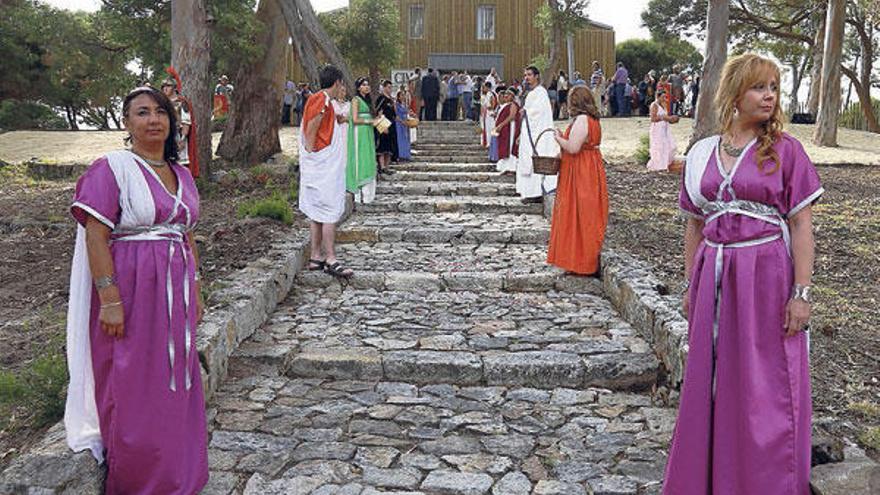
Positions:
{"x": 455, "y": 228}
{"x": 440, "y": 157}
{"x": 418, "y": 335}
{"x": 445, "y": 167}
{"x": 463, "y": 204}
{"x": 405, "y": 176}
{"x": 277, "y": 435}
{"x": 433, "y": 260}
{"x": 425, "y": 188}
{"x": 452, "y": 148}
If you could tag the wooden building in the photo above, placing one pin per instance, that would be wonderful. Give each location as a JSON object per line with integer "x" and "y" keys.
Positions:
{"x": 475, "y": 35}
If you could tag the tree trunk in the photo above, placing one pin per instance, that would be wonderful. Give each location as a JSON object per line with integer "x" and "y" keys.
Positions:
{"x": 829, "y": 99}
{"x": 716, "y": 55}
{"x": 816, "y": 70}
{"x": 251, "y": 134}
{"x": 113, "y": 117}
{"x": 305, "y": 49}
{"x": 303, "y": 23}
{"x": 865, "y": 32}
{"x": 796, "y": 76}
{"x": 555, "y": 41}
{"x": 864, "y": 94}
{"x": 191, "y": 56}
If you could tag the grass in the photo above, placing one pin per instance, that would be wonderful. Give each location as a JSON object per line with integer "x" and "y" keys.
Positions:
{"x": 866, "y": 409}
{"x": 275, "y": 207}
{"x": 643, "y": 151}
{"x": 36, "y": 392}
{"x": 871, "y": 438}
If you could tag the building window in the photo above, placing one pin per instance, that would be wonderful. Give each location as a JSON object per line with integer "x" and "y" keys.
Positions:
{"x": 416, "y": 21}
{"x": 486, "y": 22}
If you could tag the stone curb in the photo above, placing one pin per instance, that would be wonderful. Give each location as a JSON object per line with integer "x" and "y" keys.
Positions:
{"x": 538, "y": 369}
{"x": 248, "y": 298}
{"x": 446, "y": 189}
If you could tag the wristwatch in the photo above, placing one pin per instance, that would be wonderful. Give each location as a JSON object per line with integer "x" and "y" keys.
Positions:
{"x": 802, "y": 292}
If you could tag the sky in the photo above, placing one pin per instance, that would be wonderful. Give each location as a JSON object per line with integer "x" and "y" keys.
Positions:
{"x": 624, "y": 15}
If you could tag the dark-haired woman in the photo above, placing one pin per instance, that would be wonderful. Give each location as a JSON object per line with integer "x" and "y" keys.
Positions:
{"x": 580, "y": 213}
{"x": 135, "y": 395}
{"x": 360, "y": 173}
{"x": 386, "y": 142}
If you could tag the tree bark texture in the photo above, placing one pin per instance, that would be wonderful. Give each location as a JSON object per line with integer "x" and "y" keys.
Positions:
{"x": 251, "y": 134}
{"x": 310, "y": 37}
{"x": 191, "y": 57}
{"x": 816, "y": 70}
{"x": 306, "y": 52}
{"x": 716, "y": 55}
{"x": 555, "y": 42}
{"x": 829, "y": 99}
{"x": 864, "y": 29}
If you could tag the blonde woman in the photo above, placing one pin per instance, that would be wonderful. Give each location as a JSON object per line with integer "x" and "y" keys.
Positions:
{"x": 744, "y": 419}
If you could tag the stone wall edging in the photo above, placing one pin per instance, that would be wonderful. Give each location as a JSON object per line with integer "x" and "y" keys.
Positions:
{"x": 248, "y": 297}
{"x": 632, "y": 288}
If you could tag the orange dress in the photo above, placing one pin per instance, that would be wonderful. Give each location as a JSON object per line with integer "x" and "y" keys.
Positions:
{"x": 580, "y": 213}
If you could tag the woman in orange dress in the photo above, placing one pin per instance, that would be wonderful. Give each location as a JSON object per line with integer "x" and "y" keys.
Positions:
{"x": 580, "y": 214}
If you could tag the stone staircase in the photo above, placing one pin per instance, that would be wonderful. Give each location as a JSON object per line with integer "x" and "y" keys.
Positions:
{"x": 456, "y": 361}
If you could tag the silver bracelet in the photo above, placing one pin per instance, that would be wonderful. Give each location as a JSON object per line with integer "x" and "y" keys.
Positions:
{"x": 110, "y": 305}
{"x": 104, "y": 282}
{"x": 802, "y": 292}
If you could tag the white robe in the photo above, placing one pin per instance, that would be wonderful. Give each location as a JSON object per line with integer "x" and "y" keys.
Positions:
{"x": 322, "y": 177}
{"x": 487, "y": 122}
{"x": 539, "y": 113}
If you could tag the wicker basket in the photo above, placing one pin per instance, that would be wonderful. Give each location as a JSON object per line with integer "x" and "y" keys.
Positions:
{"x": 544, "y": 165}
{"x": 411, "y": 122}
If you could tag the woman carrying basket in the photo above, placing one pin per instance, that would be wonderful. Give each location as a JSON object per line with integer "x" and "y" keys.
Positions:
{"x": 580, "y": 213}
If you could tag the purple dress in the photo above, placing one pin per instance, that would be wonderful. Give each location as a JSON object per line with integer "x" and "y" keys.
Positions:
{"x": 403, "y": 150}
{"x": 155, "y": 437}
{"x": 754, "y": 436}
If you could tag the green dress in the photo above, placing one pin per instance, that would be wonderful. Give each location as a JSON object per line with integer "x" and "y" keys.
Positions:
{"x": 361, "y": 169}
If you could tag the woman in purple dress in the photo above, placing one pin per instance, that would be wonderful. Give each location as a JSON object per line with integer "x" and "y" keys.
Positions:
{"x": 744, "y": 418}
{"x": 135, "y": 396}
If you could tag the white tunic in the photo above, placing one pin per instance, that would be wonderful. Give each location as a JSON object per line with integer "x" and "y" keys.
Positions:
{"x": 488, "y": 120}
{"x": 508, "y": 164}
{"x": 539, "y": 113}
{"x": 322, "y": 177}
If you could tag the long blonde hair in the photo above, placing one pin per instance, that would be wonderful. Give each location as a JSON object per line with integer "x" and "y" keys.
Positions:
{"x": 739, "y": 74}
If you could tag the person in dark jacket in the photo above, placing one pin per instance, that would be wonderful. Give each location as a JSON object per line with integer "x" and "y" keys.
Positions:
{"x": 430, "y": 94}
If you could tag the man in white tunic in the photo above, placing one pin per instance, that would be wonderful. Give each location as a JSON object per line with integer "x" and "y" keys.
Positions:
{"x": 537, "y": 116}
{"x": 322, "y": 161}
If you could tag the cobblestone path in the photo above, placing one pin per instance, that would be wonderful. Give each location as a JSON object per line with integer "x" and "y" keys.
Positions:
{"x": 455, "y": 362}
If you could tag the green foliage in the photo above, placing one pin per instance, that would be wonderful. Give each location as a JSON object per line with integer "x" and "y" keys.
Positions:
{"x": 641, "y": 56}
{"x": 16, "y": 114}
{"x": 852, "y": 117}
{"x": 542, "y": 62}
{"x": 293, "y": 190}
{"x": 643, "y": 151}
{"x": 39, "y": 389}
{"x": 275, "y": 207}
{"x": 367, "y": 34}
{"x": 871, "y": 438}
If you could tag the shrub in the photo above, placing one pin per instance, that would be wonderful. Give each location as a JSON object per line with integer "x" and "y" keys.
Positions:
{"x": 219, "y": 124}
{"x": 643, "y": 151}
{"x": 275, "y": 207}
{"x": 17, "y": 115}
{"x": 852, "y": 116}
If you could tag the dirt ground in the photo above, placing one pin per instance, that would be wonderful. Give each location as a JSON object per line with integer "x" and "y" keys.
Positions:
{"x": 619, "y": 143}
{"x": 38, "y": 236}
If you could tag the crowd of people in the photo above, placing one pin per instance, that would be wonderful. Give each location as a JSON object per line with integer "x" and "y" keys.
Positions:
{"x": 745, "y": 409}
